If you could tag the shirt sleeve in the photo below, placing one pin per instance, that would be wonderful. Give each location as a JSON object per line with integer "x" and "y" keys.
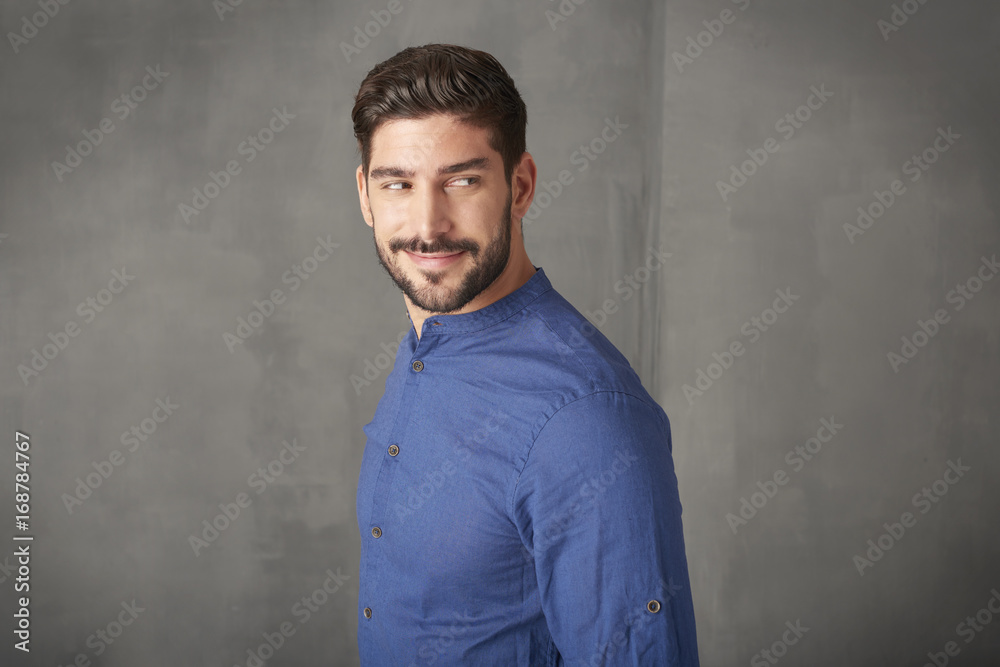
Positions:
{"x": 597, "y": 506}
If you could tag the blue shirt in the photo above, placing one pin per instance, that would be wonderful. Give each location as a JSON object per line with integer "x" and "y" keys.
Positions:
{"x": 517, "y": 500}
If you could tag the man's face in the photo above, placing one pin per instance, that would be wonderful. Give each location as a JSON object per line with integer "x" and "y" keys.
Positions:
{"x": 439, "y": 208}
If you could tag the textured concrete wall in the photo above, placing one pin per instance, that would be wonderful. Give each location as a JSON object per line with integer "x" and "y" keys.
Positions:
{"x": 857, "y": 292}
{"x": 170, "y": 276}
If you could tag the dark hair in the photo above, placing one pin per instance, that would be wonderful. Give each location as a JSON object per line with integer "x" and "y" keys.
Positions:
{"x": 421, "y": 81}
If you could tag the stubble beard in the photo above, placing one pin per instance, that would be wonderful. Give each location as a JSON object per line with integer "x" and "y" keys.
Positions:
{"x": 478, "y": 278}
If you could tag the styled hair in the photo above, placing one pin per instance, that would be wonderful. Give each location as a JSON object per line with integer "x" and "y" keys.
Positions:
{"x": 421, "y": 81}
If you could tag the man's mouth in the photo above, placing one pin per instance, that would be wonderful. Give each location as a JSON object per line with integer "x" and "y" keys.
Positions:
{"x": 434, "y": 261}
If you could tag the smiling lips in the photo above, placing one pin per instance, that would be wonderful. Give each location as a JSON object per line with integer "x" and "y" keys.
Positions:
{"x": 434, "y": 261}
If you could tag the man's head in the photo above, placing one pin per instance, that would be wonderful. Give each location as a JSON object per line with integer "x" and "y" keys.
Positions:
{"x": 441, "y": 132}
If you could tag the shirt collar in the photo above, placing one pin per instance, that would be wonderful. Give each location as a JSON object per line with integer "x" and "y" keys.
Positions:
{"x": 492, "y": 314}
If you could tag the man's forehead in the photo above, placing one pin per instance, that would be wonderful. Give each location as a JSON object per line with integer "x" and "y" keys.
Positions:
{"x": 408, "y": 136}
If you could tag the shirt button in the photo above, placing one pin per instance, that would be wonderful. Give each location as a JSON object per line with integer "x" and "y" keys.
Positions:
{"x": 653, "y": 606}
{"x": 393, "y": 450}
{"x": 418, "y": 365}
{"x": 368, "y": 612}
{"x": 376, "y": 532}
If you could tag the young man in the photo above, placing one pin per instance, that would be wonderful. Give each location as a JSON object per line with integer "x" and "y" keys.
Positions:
{"x": 517, "y": 498}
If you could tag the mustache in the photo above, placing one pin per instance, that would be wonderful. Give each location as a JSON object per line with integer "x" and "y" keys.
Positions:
{"x": 418, "y": 246}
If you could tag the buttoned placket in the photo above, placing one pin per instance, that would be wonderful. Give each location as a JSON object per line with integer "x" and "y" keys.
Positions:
{"x": 383, "y": 485}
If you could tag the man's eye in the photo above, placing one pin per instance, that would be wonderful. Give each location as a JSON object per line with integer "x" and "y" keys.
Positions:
{"x": 470, "y": 180}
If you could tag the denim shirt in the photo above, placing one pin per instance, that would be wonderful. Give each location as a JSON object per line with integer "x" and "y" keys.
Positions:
{"x": 517, "y": 500}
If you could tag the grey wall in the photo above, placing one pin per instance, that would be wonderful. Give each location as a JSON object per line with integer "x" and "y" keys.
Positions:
{"x": 825, "y": 357}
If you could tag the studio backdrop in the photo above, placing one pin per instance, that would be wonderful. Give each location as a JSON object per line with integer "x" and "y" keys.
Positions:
{"x": 784, "y": 214}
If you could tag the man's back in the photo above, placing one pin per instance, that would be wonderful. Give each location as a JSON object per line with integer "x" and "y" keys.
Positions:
{"x": 517, "y": 499}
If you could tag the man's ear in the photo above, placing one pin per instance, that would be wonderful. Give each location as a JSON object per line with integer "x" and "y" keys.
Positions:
{"x": 523, "y": 181}
{"x": 366, "y": 210}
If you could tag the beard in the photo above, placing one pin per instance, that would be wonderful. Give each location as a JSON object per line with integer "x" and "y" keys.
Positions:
{"x": 487, "y": 266}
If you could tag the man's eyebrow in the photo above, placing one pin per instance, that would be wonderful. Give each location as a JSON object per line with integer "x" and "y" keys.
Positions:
{"x": 379, "y": 173}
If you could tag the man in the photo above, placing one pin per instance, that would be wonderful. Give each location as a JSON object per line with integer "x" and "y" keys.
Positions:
{"x": 517, "y": 499}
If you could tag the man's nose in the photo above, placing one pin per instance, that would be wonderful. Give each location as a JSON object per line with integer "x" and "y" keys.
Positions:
{"x": 431, "y": 214}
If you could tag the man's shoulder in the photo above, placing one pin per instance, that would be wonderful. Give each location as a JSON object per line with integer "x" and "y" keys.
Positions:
{"x": 569, "y": 345}
{"x": 570, "y": 332}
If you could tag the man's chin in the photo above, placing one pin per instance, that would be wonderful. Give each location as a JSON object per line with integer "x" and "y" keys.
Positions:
{"x": 434, "y": 305}
{"x": 428, "y": 290}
